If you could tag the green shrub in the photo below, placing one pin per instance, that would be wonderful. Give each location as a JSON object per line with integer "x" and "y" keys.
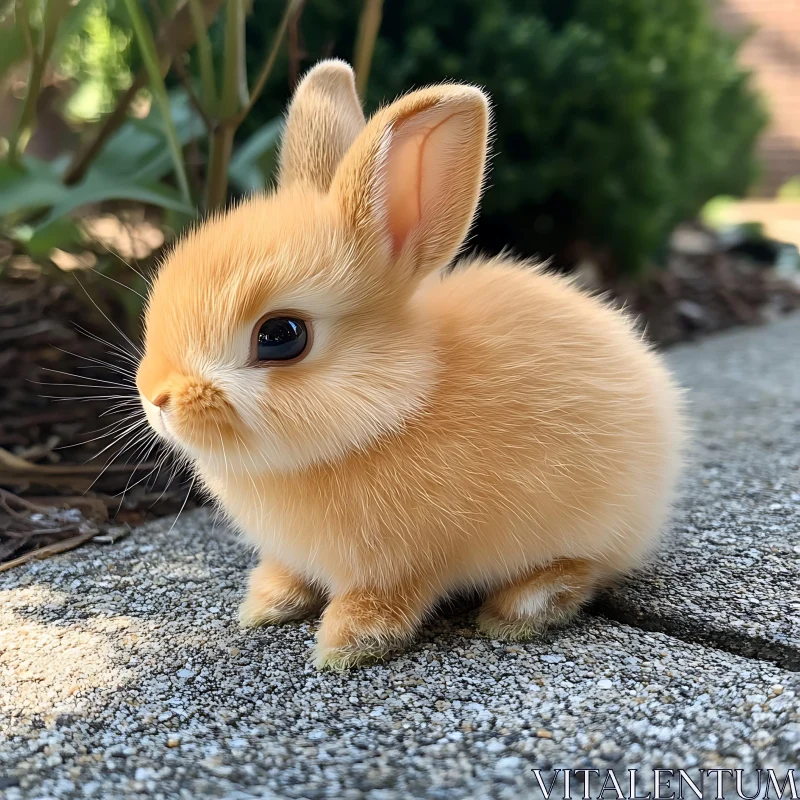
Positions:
{"x": 615, "y": 119}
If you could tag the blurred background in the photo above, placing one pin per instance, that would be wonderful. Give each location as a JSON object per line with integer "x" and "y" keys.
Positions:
{"x": 650, "y": 148}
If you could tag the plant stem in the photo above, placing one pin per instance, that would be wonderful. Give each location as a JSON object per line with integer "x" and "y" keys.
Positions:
{"x": 234, "y": 74}
{"x": 234, "y": 105}
{"x": 295, "y": 54}
{"x": 204, "y": 56}
{"x": 293, "y": 9}
{"x": 176, "y": 37}
{"x": 54, "y": 12}
{"x": 221, "y": 149}
{"x": 152, "y": 61}
{"x": 27, "y": 117}
{"x": 232, "y": 98}
{"x": 195, "y": 101}
{"x": 23, "y": 22}
{"x": 368, "y": 26}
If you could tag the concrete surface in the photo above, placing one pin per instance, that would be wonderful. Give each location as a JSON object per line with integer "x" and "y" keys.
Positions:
{"x": 123, "y": 673}
{"x": 730, "y": 570}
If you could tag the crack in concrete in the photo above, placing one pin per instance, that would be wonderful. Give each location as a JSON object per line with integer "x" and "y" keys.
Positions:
{"x": 733, "y": 642}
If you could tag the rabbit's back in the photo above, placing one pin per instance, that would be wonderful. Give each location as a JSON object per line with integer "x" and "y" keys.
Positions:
{"x": 575, "y": 419}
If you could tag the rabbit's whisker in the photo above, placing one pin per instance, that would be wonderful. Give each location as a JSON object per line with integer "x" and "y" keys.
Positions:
{"x": 188, "y": 494}
{"x": 130, "y": 266}
{"x": 136, "y": 348}
{"x": 85, "y": 378}
{"x": 114, "y": 427}
{"x": 116, "y": 350}
{"x": 99, "y": 361}
{"x": 119, "y": 283}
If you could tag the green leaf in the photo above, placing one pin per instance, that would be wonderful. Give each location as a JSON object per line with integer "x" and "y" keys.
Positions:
{"x": 94, "y": 191}
{"x": 139, "y": 148}
{"x": 62, "y": 232}
{"x": 147, "y": 46}
{"x": 28, "y": 189}
{"x": 188, "y": 123}
{"x": 253, "y": 163}
{"x": 37, "y": 185}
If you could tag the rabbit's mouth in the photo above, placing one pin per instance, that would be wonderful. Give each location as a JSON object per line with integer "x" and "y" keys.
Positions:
{"x": 156, "y": 418}
{"x": 194, "y": 417}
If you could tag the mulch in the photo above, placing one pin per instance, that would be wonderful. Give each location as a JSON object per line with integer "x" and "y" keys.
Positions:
{"x": 66, "y": 400}
{"x": 703, "y": 294}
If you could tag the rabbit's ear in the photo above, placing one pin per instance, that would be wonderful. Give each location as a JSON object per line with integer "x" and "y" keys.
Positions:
{"x": 412, "y": 180}
{"x": 323, "y": 120}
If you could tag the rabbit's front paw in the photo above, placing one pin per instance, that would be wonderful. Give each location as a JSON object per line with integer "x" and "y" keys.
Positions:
{"x": 275, "y": 595}
{"x": 363, "y": 626}
{"x": 541, "y": 599}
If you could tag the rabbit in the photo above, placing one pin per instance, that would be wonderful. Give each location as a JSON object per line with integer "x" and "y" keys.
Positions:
{"x": 387, "y": 428}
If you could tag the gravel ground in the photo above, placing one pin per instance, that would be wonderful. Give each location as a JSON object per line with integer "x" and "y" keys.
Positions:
{"x": 123, "y": 672}
{"x": 730, "y": 573}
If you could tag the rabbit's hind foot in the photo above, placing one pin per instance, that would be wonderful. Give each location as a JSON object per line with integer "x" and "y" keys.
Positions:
{"x": 540, "y": 599}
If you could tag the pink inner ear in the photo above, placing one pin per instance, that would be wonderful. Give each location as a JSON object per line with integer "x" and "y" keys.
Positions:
{"x": 413, "y": 170}
{"x": 403, "y": 186}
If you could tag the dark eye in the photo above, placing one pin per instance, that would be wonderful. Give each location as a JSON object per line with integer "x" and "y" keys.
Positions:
{"x": 281, "y": 339}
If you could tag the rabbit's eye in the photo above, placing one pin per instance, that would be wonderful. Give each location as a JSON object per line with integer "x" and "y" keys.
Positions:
{"x": 281, "y": 339}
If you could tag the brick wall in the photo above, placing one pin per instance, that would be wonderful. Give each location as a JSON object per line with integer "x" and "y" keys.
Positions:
{"x": 773, "y": 53}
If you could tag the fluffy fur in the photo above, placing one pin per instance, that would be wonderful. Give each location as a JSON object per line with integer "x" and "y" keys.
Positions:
{"x": 490, "y": 427}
